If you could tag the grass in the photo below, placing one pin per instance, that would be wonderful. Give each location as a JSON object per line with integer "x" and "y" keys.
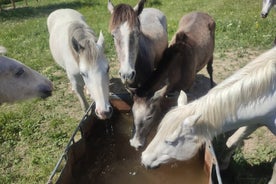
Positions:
{"x": 33, "y": 134}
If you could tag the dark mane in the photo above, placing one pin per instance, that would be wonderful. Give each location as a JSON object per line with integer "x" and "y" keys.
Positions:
{"x": 158, "y": 77}
{"x": 123, "y": 13}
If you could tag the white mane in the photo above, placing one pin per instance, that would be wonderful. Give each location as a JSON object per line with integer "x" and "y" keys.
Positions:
{"x": 248, "y": 84}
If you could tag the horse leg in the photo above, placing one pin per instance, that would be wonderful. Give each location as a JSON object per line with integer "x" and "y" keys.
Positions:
{"x": 236, "y": 141}
{"x": 210, "y": 70}
{"x": 78, "y": 86}
{"x": 273, "y": 177}
{"x": 13, "y": 4}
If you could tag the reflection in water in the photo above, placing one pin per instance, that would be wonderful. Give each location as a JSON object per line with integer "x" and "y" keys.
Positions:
{"x": 104, "y": 156}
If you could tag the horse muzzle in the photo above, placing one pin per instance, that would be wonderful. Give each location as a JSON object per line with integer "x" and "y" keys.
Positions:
{"x": 128, "y": 78}
{"x": 104, "y": 114}
{"x": 45, "y": 90}
{"x": 264, "y": 15}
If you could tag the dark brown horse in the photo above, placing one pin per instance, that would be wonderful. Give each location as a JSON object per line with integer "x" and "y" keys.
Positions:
{"x": 190, "y": 50}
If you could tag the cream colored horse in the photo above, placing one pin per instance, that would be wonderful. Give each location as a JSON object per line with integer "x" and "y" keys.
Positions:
{"x": 19, "y": 82}
{"x": 75, "y": 48}
{"x": 247, "y": 98}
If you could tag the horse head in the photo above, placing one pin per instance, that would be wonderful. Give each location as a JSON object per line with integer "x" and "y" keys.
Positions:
{"x": 94, "y": 68}
{"x": 178, "y": 142}
{"x": 125, "y": 29}
{"x": 267, "y": 5}
{"x": 19, "y": 82}
{"x": 146, "y": 111}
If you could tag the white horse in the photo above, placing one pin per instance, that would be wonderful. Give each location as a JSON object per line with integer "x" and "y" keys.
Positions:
{"x": 247, "y": 98}
{"x": 140, "y": 37}
{"x": 19, "y": 82}
{"x": 74, "y": 47}
{"x": 267, "y": 5}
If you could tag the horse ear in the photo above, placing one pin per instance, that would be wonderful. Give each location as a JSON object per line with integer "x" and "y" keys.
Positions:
{"x": 100, "y": 41}
{"x": 182, "y": 99}
{"x": 191, "y": 120}
{"x": 110, "y": 6}
{"x": 76, "y": 45}
{"x": 139, "y": 7}
{"x": 160, "y": 93}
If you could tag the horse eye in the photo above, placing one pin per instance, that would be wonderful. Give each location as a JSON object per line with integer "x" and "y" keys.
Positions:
{"x": 148, "y": 117}
{"x": 171, "y": 143}
{"x": 19, "y": 72}
{"x": 83, "y": 74}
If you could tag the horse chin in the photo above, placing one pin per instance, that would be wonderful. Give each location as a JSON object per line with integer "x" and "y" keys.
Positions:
{"x": 104, "y": 115}
{"x": 136, "y": 143}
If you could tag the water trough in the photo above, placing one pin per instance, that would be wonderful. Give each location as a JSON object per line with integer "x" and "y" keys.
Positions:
{"x": 103, "y": 155}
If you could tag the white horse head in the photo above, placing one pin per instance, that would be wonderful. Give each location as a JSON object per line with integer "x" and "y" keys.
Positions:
{"x": 19, "y": 82}
{"x": 125, "y": 29}
{"x": 94, "y": 68}
{"x": 267, "y": 5}
{"x": 179, "y": 144}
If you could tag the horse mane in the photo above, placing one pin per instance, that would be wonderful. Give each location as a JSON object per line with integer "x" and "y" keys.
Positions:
{"x": 248, "y": 84}
{"x": 123, "y": 13}
{"x": 87, "y": 40}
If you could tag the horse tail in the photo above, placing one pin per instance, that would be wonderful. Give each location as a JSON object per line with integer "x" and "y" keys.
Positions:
{"x": 3, "y": 50}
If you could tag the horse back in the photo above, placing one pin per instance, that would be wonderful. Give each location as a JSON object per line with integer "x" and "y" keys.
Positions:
{"x": 154, "y": 28}
{"x": 59, "y": 23}
{"x": 200, "y": 31}
{"x": 63, "y": 16}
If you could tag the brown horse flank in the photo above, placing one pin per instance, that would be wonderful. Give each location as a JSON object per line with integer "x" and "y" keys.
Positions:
{"x": 140, "y": 37}
{"x": 190, "y": 50}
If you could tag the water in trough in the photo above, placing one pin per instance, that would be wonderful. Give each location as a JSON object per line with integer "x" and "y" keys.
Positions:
{"x": 104, "y": 156}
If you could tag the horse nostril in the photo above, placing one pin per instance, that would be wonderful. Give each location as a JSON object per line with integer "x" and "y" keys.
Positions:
{"x": 45, "y": 91}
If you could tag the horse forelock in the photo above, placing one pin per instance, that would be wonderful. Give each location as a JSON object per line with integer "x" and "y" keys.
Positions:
{"x": 123, "y": 13}
{"x": 86, "y": 38}
{"x": 247, "y": 85}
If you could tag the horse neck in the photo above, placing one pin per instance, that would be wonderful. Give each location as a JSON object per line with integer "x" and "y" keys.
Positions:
{"x": 144, "y": 64}
{"x": 156, "y": 80}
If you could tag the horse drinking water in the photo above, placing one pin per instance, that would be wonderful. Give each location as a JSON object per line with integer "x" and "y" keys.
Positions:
{"x": 190, "y": 50}
{"x": 19, "y": 82}
{"x": 140, "y": 37}
{"x": 267, "y": 5}
{"x": 74, "y": 46}
{"x": 247, "y": 98}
